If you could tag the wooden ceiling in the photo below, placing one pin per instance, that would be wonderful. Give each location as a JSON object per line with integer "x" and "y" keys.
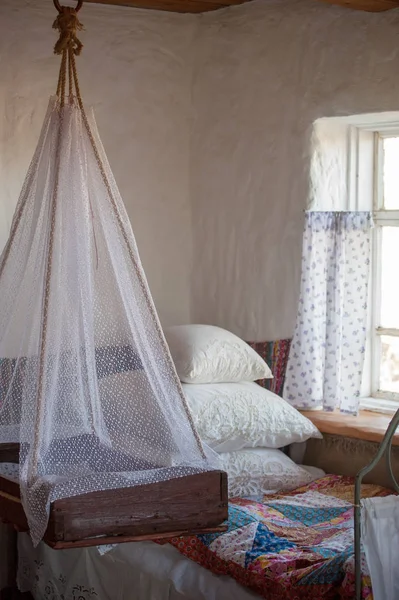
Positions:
{"x": 199, "y": 6}
{"x": 179, "y": 6}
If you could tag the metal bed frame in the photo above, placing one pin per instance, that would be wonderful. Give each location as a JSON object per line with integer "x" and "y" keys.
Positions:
{"x": 385, "y": 447}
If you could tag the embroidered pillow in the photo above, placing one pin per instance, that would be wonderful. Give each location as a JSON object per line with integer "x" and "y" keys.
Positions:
{"x": 262, "y": 471}
{"x": 208, "y": 354}
{"x": 231, "y": 416}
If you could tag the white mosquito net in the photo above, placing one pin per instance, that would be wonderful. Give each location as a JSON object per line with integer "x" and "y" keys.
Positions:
{"x": 87, "y": 385}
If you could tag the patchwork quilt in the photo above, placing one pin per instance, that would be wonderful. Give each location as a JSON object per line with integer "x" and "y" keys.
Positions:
{"x": 291, "y": 546}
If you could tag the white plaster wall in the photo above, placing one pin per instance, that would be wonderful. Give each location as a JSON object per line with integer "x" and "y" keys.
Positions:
{"x": 209, "y": 113}
{"x": 263, "y": 73}
{"x": 136, "y": 71}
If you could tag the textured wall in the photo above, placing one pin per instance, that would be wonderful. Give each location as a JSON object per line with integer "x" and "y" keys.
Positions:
{"x": 213, "y": 111}
{"x": 136, "y": 71}
{"x": 331, "y": 454}
{"x": 263, "y": 73}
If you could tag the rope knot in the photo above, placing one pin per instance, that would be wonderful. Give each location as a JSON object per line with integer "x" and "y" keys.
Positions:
{"x": 68, "y": 25}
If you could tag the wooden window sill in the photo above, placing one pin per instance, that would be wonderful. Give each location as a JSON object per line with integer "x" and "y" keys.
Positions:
{"x": 368, "y": 425}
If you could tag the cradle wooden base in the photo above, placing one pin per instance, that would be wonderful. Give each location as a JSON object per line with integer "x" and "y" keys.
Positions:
{"x": 185, "y": 505}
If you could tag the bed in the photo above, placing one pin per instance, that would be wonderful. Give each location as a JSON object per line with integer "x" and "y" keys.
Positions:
{"x": 297, "y": 545}
{"x": 139, "y": 571}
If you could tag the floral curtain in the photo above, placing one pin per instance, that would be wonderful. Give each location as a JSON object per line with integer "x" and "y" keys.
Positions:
{"x": 327, "y": 352}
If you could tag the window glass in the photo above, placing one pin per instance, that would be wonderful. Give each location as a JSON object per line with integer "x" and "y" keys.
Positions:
{"x": 391, "y": 173}
{"x": 389, "y": 365}
{"x": 390, "y": 277}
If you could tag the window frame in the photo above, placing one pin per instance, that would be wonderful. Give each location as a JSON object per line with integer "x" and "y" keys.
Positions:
{"x": 355, "y": 159}
{"x": 381, "y": 217}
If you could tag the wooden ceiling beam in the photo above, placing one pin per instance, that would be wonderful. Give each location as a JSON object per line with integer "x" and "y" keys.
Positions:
{"x": 178, "y": 6}
{"x": 200, "y": 6}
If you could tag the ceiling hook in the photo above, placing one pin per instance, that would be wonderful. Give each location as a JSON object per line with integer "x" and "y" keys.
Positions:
{"x": 59, "y": 7}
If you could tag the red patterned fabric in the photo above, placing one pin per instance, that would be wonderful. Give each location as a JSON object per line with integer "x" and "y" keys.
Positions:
{"x": 275, "y": 354}
{"x": 295, "y": 546}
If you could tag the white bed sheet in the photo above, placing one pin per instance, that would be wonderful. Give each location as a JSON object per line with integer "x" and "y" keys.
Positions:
{"x": 136, "y": 571}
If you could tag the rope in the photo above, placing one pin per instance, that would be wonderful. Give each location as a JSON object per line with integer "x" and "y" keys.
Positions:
{"x": 68, "y": 25}
{"x": 70, "y": 74}
{"x": 62, "y": 77}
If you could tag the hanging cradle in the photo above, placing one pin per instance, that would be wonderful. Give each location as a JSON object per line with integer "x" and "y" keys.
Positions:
{"x": 97, "y": 444}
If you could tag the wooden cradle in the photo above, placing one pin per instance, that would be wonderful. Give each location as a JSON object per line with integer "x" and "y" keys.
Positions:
{"x": 190, "y": 504}
{"x": 186, "y": 504}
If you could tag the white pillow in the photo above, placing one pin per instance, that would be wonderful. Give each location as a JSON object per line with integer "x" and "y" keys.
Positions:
{"x": 315, "y": 472}
{"x": 262, "y": 471}
{"x": 231, "y": 416}
{"x": 208, "y": 354}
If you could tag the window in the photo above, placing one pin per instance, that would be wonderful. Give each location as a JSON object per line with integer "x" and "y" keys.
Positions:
{"x": 385, "y": 270}
{"x": 355, "y": 166}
